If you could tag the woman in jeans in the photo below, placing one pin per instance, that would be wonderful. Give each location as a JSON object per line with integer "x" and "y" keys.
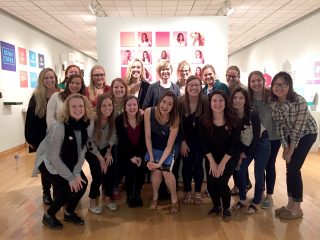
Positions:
{"x": 266, "y": 175}
{"x": 298, "y": 131}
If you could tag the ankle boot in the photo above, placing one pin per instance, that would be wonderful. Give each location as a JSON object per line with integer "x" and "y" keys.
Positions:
{"x": 138, "y": 200}
{"x": 46, "y": 198}
{"x": 130, "y": 200}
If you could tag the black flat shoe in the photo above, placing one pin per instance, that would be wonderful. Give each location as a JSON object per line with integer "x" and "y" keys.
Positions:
{"x": 46, "y": 198}
{"x": 52, "y": 222}
{"x": 74, "y": 218}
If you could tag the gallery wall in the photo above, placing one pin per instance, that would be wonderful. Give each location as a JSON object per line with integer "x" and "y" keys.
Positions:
{"x": 16, "y": 86}
{"x": 295, "y": 49}
{"x": 116, "y": 37}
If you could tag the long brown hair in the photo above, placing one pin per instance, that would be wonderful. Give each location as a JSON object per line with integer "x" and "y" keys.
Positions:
{"x": 173, "y": 115}
{"x": 67, "y": 92}
{"x": 97, "y": 123}
{"x": 230, "y": 116}
{"x": 139, "y": 117}
{"x": 265, "y": 91}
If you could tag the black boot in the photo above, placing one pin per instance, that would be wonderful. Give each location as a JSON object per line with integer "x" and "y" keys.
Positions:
{"x": 130, "y": 200}
{"x": 137, "y": 199}
{"x": 46, "y": 198}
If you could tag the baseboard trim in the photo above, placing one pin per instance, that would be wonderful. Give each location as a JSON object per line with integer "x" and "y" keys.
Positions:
{"x": 10, "y": 151}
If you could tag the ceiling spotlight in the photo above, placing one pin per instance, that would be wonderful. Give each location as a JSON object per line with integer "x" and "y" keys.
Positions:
{"x": 96, "y": 8}
{"x": 226, "y": 9}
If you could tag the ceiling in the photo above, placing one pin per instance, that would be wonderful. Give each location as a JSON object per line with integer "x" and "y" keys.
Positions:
{"x": 72, "y": 22}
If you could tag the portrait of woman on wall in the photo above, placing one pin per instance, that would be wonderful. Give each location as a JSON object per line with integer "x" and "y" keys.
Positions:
{"x": 198, "y": 57}
{"x": 145, "y": 39}
{"x": 197, "y": 39}
{"x": 181, "y": 40}
{"x": 146, "y": 57}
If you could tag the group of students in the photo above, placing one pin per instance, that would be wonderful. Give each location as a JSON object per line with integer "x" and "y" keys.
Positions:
{"x": 114, "y": 129}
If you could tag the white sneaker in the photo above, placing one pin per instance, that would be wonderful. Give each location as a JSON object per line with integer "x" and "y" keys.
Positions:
{"x": 95, "y": 210}
{"x": 112, "y": 206}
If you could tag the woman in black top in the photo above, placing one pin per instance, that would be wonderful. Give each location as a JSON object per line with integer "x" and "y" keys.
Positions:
{"x": 36, "y": 125}
{"x": 221, "y": 137}
{"x": 132, "y": 149}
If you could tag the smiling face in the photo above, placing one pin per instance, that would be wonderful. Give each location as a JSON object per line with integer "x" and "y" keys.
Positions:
{"x": 165, "y": 74}
{"x": 76, "y": 108}
{"x": 49, "y": 80}
{"x": 118, "y": 89}
{"x": 184, "y": 72}
{"x": 106, "y": 107}
{"x": 132, "y": 107}
{"x": 98, "y": 77}
{"x": 238, "y": 101}
{"x": 136, "y": 69}
{"x": 72, "y": 71}
{"x": 256, "y": 84}
{"x": 166, "y": 105}
{"x": 194, "y": 88}
{"x": 75, "y": 85}
{"x": 217, "y": 103}
{"x": 280, "y": 88}
{"x": 232, "y": 77}
{"x": 208, "y": 76}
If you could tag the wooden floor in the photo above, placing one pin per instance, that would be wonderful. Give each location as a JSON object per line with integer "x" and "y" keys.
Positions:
{"x": 21, "y": 211}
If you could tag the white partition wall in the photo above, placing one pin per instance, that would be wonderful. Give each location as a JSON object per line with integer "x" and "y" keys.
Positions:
{"x": 162, "y": 34}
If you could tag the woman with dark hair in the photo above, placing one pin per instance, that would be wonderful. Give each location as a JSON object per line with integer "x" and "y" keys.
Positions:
{"x": 70, "y": 70}
{"x": 180, "y": 40}
{"x": 99, "y": 156}
{"x": 146, "y": 58}
{"x": 298, "y": 131}
{"x": 192, "y": 106}
{"x": 60, "y": 157}
{"x": 131, "y": 141}
{"x": 36, "y": 125}
{"x": 161, "y": 129}
{"x": 220, "y": 139}
{"x": 98, "y": 84}
{"x": 145, "y": 40}
{"x": 75, "y": 84}
{"x": 250, "y": 146}
{"x": 137, "y": 84}
{"x": 259, "y": 96}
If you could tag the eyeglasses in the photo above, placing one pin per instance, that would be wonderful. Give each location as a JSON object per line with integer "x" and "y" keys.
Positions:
{"x": 194, "y": 85}
{"x": 280, "y": 85}
{"x": 98, "y": 75}
{"x": 230, "y": 76}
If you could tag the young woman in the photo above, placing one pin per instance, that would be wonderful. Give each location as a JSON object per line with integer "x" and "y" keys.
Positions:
{"x": 298, "y": 131}
{"x": 183, "y": 72}
{"x": 71, "y": 69}
{"x": 99, "y": 155}
{"x": 36, "y": 125}
{"x": 119, "y": 92}
{"x": 192, "y": 106}
{"x": 259, "y": 100}
{"x": 221, "y": 138}
{"x": 60, "y": 157}
{"x": 137, "y": 84}
{"x": 74, "y": 84}
{"x": 97, "y": 85}
{"x": 145, "y": 42}
{"x": 146, "y": 57}
{"x": 161, "y": 129}
{"x": 131, "y": 143}
{"x": 250, "y": 146}
{"x": 157, "y": 89}
{"x": 198, "y": 57}
{"x": 180, "y": 40}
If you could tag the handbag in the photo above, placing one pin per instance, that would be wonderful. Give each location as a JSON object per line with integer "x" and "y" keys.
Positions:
{"x": 247, "y": 134}
{"x": 166, "y": 165}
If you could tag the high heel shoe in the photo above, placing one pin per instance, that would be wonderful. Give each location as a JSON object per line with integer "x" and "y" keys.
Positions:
{"x": 154, "y": 205}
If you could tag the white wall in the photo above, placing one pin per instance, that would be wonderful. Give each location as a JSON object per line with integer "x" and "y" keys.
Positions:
{"x": 108, "y": 37}
{"x": 295, "y": 49}
{"x": 56, "y": 53}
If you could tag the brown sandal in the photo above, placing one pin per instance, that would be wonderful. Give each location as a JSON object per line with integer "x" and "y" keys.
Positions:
{"x": 154, "y": 205}
{"x": 174, "y": 208}
{"x": 197, "y": 198}
{"x": 187, "y": 198}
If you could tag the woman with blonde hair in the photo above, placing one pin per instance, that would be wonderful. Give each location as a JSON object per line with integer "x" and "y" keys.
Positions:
{"x": 137, "y": 84}
{"x": 36, "y": 125}
{"x": 60, "y": 157}
{"x": 97, "y": 84}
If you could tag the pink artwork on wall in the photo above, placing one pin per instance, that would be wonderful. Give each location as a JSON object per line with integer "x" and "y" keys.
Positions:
{"x": 127, "y": 39}
{"x": 162, "y": 39}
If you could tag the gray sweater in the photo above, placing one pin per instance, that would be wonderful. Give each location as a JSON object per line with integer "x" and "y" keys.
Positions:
{"x": 49, "y": 152}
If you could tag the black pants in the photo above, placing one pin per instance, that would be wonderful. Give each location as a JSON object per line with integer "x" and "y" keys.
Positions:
{"x": 98, "y": 178}
{"x": 63, "y": 190}
{"x": 134, "y": 179}
{"x": 218, "y": 188}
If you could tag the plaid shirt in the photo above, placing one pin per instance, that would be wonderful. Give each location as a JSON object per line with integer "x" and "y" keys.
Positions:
{"x": 293, "y": 119}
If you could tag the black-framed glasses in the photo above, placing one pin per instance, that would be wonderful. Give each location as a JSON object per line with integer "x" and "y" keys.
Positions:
{"x": 98, "y": 75}
{"x": 280, "y": 85}
{"x": 231, "y": 76}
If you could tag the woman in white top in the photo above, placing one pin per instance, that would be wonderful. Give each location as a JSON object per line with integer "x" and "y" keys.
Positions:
{"x": 75, "y": 84}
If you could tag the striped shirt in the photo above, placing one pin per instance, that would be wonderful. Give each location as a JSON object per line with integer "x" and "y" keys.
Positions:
{"x": 293, "y": 120}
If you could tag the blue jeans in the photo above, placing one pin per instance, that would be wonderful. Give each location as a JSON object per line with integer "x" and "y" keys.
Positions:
{"x": 294, "y": 179}
{"x": 271, "y": 166}
{"x": 260, "y": 156}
